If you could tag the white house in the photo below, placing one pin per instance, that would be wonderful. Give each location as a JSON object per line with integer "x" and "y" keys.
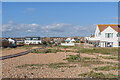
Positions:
{"x": 11, "y": 40}
{"x": 106, "y": 35}
{"x": 32, "y": 40}
{"x": 69, "y": 42}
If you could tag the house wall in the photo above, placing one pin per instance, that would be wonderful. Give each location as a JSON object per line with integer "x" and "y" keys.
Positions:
{"x": 97, "y": 31}
{"x": 32, "y": 41}
{"x": 114, "y": 39}
{"x": 68, "y": 44}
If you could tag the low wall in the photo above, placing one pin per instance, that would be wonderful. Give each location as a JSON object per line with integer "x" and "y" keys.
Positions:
{"x": 68, "y": 44}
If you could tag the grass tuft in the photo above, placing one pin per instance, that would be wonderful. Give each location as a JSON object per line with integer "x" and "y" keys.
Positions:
{"x": 106, "y": 68}
{"x": 92, "y": 74}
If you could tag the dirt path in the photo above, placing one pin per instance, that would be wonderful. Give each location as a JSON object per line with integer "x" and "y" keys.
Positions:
{"x": 10, "y": 51}
{"x": 6, "y": 52}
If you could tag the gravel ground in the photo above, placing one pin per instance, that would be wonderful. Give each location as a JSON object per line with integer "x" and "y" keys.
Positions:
{"x": 9, "y": 69}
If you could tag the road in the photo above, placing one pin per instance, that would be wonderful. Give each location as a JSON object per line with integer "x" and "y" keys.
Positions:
{"x": 18, "y": 54}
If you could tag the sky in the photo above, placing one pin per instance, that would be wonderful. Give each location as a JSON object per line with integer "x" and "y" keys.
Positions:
{"x": 56, "y": 19}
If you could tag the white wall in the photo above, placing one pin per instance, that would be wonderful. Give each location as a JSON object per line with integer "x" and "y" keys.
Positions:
{"x": 68, "y": 44}
{"x": 114, "y": 39}
{"x": 97, "y": 31}
{"x": 33, "y": 41}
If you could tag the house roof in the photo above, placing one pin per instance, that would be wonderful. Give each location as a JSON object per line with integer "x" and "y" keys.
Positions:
{"x": 102, "y": 27}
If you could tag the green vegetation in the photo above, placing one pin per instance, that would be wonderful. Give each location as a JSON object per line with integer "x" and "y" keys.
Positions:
{"x": 76, "y": 58}
{"x": 52, "y": 65}
{"x": 109, "y": 57}
{"x": 58, "y": 65}
{"x": 59, "y": 46}
{"x": 106, "y": 68}
{"x": 84, "y": 61}
{"x": 107, "y": 51}
{"x": 87, "y": 58}
{"x": 92, "y": 74}
{"x": 73, "y": 58}
{"x": 87, "y": 61}
{"x": 47, "y": 51}
{"x": 26, "y": 65}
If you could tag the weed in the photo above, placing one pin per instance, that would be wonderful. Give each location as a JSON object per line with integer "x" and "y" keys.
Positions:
{"x": 92, "y": 74}
{"x": 106, "y": 68}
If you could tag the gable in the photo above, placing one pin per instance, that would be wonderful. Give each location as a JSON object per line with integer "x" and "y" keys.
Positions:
{"x": 102, "y": 27}
{"x": 109, "y": 30}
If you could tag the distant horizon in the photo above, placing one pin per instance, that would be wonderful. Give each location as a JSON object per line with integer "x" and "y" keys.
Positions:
{"x": 44, "y": 37}
{"x": 51, "y": 19}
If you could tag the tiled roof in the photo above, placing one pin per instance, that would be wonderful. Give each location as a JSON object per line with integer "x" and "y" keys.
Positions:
{"x": 102, "y": 27}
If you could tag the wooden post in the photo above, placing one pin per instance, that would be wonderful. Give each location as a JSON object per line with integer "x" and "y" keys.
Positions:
{"x": 65, "y": 52}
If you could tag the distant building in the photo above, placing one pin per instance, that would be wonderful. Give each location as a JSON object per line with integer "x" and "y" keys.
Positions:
{"x": 69, "y": 42}
{"x": 106, "y": 35}
{"x": 32, "y": 40}
{"x": 11, "y": 40}
{"x": 19, "y": 40}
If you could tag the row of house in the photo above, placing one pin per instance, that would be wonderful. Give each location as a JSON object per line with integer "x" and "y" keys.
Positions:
{"x": 38, "y": 40}
{"x": 106, "y": 35}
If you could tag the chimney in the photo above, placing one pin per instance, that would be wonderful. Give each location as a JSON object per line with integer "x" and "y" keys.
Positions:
{"x": 91, "y": 35}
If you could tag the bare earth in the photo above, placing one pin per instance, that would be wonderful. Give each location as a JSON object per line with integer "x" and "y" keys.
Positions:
{"x": 9, "y": 69}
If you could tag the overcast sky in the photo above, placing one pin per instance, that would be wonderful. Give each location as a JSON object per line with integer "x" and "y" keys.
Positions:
{"x": 21, "y": 19}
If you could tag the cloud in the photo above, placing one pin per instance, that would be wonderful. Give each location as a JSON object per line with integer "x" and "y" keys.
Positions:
{"x": 11, "y": 22}
{"x": 30, "y": 9}
{"x": 85, "y": 29}
{"x": 60, "y": 27}
{"x": 29, "y": 30}
{"x": 10, "y": 27}
{"x": 116, "y": 18}
{"x": 55, "y": 29}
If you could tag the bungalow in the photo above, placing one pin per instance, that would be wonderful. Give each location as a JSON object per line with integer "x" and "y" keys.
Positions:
{"x": 32, "y": 40}
{"x": 69, "y": 42}
{"x": 106, "y": 35}
{"x": 11, "y": 40}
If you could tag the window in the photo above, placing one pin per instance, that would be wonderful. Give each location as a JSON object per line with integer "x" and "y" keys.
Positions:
{"x": 35, "y": 38}
{"x": 108, "y": 35}
{"x": 34, "y": 42}
{"x": 118, "y": 35}
{"x": 28, "y": 38}
{"x": 99, "y": 33}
